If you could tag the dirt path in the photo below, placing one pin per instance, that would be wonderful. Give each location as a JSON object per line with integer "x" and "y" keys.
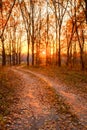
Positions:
{"x": 77, "y": 103}
{"x": 38, "y": 107}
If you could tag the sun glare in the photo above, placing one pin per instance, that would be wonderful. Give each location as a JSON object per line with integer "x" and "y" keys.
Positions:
{"x": 43, "y": 52}
{"x": 24, "y": 50}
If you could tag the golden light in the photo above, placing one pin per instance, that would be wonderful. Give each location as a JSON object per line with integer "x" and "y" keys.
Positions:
{"x": 24, "y": 49}
{"x": 44, "y": 52}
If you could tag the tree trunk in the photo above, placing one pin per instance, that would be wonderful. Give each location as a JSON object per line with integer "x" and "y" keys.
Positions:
{"x": 67, "y": 62}
{"x": 47, "y": 36}
{"x": 28, "y": 42}
{"x": 32, "y": 9}
{"x": 82, "y": 61}
{"x": 3, "y": 54}
{"x": 59, "y": 50}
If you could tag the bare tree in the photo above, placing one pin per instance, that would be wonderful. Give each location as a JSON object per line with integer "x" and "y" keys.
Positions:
{"x": 3, "y": 28}
{"x": 60, "y": 10}
{"x": 27, "y": 22}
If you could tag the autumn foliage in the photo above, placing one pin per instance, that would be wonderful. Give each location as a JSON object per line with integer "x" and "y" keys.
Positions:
{"x": 56, "y": 27}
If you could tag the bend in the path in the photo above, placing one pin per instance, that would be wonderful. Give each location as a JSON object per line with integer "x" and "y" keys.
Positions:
{"x": 31, "y": 112}
{"x": 77, "y": 104}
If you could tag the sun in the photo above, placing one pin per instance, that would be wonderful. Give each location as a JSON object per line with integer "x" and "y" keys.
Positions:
{"x": 24, "y": 49}
{"x": 44, "y": 52}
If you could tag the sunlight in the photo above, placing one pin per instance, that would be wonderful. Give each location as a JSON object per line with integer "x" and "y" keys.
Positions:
{"x": 24, "y": 49}
{"x": 44, "y": 52}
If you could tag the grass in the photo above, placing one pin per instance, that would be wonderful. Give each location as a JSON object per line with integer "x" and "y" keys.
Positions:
{"x": 57, "y": 102}
{"x": 75, "y": 79}
{"x": 51, "y": 96}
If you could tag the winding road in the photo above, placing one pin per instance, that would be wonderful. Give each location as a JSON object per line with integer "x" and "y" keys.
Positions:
{"x": 35, "y": 110}
{"x": 77, "y": 103}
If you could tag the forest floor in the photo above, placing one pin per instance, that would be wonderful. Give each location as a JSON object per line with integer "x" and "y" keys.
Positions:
{"x": 42, "y": 99}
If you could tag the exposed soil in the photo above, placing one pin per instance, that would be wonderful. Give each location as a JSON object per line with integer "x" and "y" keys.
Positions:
{"x": 37, "y": 104}
{"x": 77, "y": 102}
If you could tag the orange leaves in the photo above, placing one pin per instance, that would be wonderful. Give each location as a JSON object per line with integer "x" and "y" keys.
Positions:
{"x": 6, "y": 5}
{"x": 2, "y": 23}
